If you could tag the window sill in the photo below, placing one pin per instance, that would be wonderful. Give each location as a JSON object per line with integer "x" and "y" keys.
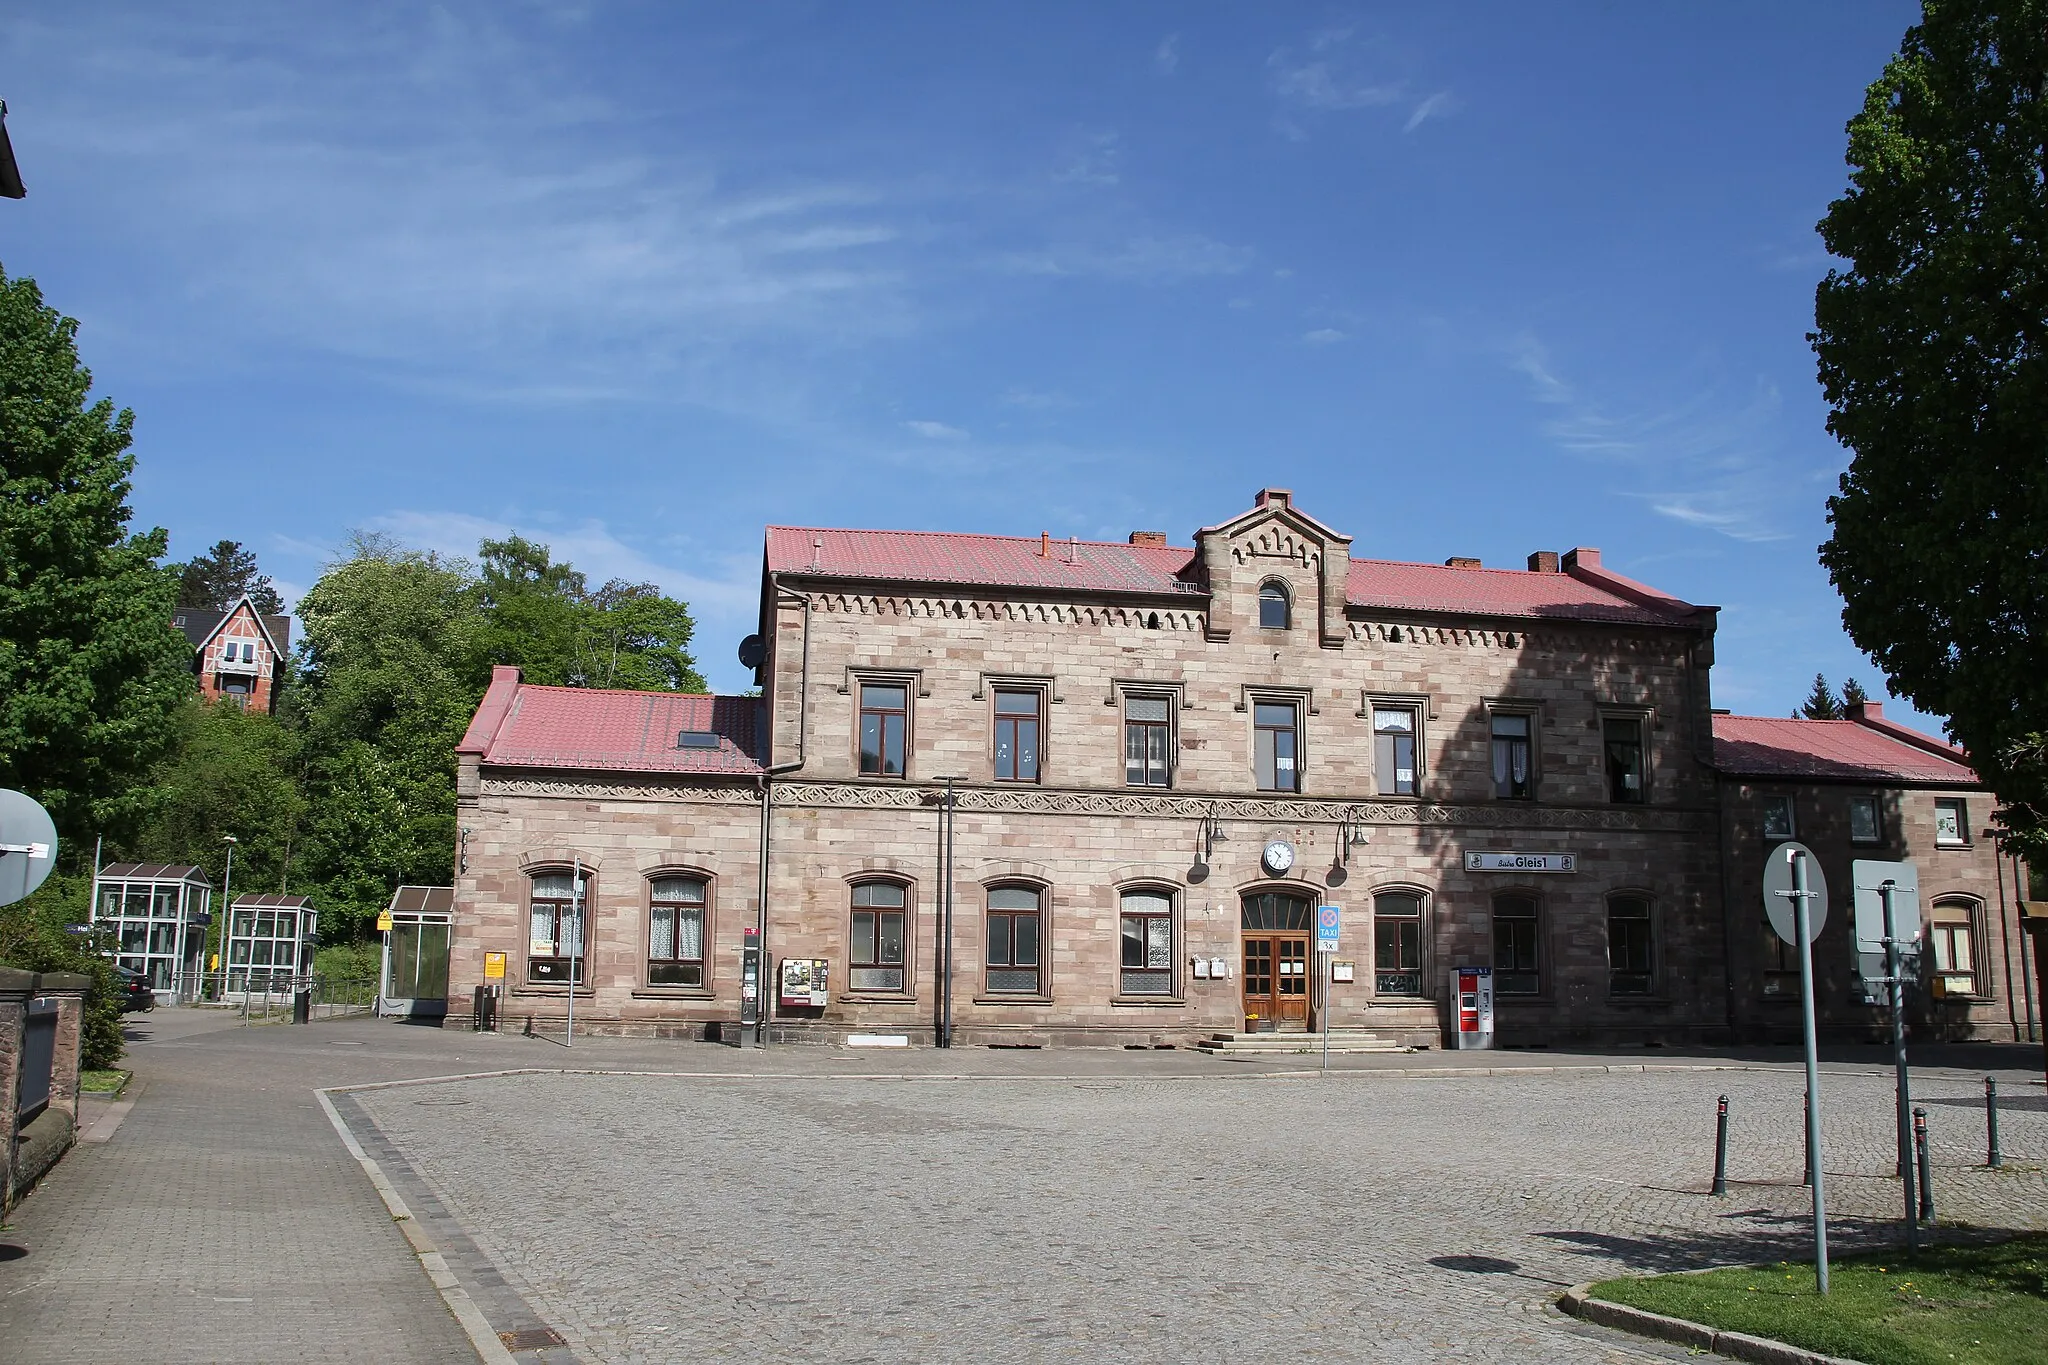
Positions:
{"x": 560, "y": 992}
{"x": 1953, "y": 843}
{"x": 1410, "y": 1002}
{"x": 870, "y": 998}
{"x": 1012, "y": 998}
{"x": 1148, "y": 1002}
{"x": 1664, "y": 1000}
{"x": 672, "y": 993}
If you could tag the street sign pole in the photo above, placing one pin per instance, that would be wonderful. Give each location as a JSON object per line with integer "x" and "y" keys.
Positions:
{"x": 1802, "y": 919}
{"x": 1329, "y": 920}
{"x": 1893, "y": 969}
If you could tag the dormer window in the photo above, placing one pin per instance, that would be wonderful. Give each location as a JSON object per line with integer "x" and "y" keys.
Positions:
{"x": 1273, "y": 607}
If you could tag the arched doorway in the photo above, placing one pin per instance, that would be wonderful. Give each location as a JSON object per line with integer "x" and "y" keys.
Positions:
{"x": 1275, "y": 973}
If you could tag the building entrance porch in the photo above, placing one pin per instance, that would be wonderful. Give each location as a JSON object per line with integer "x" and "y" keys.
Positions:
{"x": 1275, "y": 971}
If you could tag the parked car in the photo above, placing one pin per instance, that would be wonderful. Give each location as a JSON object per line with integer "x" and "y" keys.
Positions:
{"x": 135, "y": 991}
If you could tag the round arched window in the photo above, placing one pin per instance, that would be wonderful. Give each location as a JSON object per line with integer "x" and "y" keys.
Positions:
{"x": 1273, "y": 607}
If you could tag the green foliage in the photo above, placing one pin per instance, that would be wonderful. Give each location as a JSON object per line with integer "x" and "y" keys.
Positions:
{"x": 356, "y": 960}
{"x": 1932, "y": 342}
{"x": 1821, "y": 703}
{"x": 90, "y": 669}
{"x": 33, "y": 937}
{"x": 232, "y": 771}
{"x": 1977, "y": 1303}
{"x": 1852, "y": 693}
{"x": 541, "y": 616}
{"x": 222, "y": 577}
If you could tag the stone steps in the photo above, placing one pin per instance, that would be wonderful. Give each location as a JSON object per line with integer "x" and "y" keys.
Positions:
{"x": 1279, "y": 1044}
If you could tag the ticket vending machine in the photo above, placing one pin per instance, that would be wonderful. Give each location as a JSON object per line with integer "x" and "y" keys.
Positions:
{"x": 1472, "y": 1001}
{"x": 804, "y": 982}
{"x": 750, "y": 987}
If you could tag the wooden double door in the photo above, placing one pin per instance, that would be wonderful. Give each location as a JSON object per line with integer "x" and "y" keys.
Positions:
{"x": 1275, "y": 969}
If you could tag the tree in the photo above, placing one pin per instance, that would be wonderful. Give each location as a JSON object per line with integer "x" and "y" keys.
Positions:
{"x": 1821, "y": 703}
{"x": 222, "y": 577}
{"x": 1932, "y": 341}
{"x": 90, "y": 669}
{"x": 233, "y": 771}
{"x": 35, "y": 937}
{"x": 1852, "y": 693}
{"x": 540, "y": 615}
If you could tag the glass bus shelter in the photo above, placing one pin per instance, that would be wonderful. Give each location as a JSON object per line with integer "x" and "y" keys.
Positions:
{"x": 158, "y": 914}
{"x": 270, "y": 941}
{"x": 415, "y": 968}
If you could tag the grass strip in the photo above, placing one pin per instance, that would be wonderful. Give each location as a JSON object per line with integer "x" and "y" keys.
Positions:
{"x": 1983, "y": 1305}
{"x": 102, "y": 1082}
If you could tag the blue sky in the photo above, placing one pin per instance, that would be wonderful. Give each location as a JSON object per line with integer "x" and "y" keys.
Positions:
{"x": 637, "y": 279}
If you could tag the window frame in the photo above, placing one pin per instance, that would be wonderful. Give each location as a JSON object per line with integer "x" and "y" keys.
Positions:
{"x": 576, "y": 975}
{"x": 1961, "y": 806}
{"x": 1168, "y": 728}
{"x": 1420, "y": 919}
{"x": 905, "y": 913}
{"x": 861, "y": 711}
{"x": 1970, "y": 911}
{"x": 1172, "y": 916}
{"x": 1876, "y": 806}
{"x": 705, "y": 883}
{"x": 1281, "y": 592}
{"x": 1534, "y": 919}
{"x": 1641, "y": 720}
{"x": 1294, "y": 730}
{"x": 1416, "y": 712}
{"x": 1769, "y": 801}
{"x": 1040, "y": 696}
{"x": 1532, "y": 714}
{"x": 1041, "y": 987}
{"x": 1647, "y": 973}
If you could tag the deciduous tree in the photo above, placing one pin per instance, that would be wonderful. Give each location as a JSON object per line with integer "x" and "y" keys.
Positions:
{"x": 1932, "y": 339}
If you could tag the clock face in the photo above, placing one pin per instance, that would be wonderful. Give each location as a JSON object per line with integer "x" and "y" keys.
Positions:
{"x": 1279, "y": 856}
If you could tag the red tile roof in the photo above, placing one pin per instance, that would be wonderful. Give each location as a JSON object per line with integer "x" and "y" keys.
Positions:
{"x": 522, "y": 726}
{"x": 980, "y": 561}
{"x": 952, "y": 558}
{"x": 1870, "y": 750}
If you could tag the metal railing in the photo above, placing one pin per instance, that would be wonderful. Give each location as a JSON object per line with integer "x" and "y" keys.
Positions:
{"x": 264, "y": 995}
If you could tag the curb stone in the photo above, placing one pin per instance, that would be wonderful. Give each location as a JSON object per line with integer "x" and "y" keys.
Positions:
{"x": 1578, "y": 1302}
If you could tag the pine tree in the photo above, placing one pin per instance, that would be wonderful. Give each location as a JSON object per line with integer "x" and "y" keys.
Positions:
{"x": 222, "y": 577}
{"x": 1821, "y": 703}
{"x": 1852, "y": 692}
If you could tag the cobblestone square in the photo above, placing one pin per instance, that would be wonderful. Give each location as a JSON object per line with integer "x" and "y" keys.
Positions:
{"x": 1359, "y": 1217}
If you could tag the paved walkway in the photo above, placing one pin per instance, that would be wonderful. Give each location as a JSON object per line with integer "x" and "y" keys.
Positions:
{"x": 638, "y": 1218}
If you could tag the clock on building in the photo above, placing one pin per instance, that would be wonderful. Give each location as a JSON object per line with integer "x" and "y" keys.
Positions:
{"x": 1278, "y": 857}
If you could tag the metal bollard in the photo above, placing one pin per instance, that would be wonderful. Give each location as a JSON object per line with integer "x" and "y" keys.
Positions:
{"x": 1993, "y": 1158}
{"x": 1925, "y": 1164}
{"x": 1721, "y": 1148}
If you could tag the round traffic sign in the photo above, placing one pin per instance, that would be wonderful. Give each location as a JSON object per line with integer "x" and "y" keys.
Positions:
{"x": 28, "y": 845}
{"x": 1328, "y": 915}
{"x": 1778, "y": 893}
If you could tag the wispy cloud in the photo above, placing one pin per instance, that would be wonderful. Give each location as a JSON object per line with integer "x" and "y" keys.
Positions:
{"x": 1166, "y": 57}
{"x": 1711, "y": 460}
{"x": 1440, "y": 105}
{"x": 1152, "y": 260}
{"x": 1095, "y": 163}
{"x": 937, "y": 431}
{"x": 1322, "y": 336}
{"x": 1034, "y": 400}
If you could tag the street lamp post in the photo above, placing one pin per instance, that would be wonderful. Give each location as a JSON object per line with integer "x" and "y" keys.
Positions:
{"x": 227, "y": 881}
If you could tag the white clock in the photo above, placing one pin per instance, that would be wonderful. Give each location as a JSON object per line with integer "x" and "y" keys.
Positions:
{"x": 1278, "y": 857}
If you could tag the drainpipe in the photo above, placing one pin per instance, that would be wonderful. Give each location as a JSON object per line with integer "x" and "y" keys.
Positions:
{"x": 764, "y": 784}
{"x": 2005, "y": 932}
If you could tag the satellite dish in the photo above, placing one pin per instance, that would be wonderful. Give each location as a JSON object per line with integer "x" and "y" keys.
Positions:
{"x": 752, "y": 652}
{"x": 28, "y": 845}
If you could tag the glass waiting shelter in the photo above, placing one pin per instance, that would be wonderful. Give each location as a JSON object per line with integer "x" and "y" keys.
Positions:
{"x": 158, "y": 914}
{"x": 270, "y": 941}
{"x": 415, "y": 972}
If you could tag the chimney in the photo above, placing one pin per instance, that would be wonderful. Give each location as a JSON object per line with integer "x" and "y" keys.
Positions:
{"x": 1461, "y": 562}
{"x": 1045, "y": 545}
{"x": 1151, "y": 539}
{"x": 1543, "y": 561}
{"x": 1581, "y": 558}
{"x": 1275, "y": 497}
{"x": 1864, "y": 710}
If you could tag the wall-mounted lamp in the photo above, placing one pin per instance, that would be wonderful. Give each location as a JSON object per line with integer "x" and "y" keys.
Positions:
{"x": 1352, "y": 833}
{"x": 1207, "y": 836}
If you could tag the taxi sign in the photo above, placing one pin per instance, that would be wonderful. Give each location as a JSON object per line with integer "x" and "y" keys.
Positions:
{"x": 1328, "y": 920}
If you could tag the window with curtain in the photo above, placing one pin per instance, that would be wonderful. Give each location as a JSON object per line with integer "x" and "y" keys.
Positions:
{"x": 1623, "y": 742}
{"x": 875, "y": 950}
{"x": 1393, "y": 750}
{"x": 554, "y": 929}
{"x": 1015, "y": 918}
{"x": 1512, "y": 777}
{"x": 884, "y": 728}
{"x": 1018, "y": 719}
{"x": 1276, "y": 746}
{"x": 1952, "y": 935}
{"x": 675, "y": 932}
{"x": 1147, "y": 963}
